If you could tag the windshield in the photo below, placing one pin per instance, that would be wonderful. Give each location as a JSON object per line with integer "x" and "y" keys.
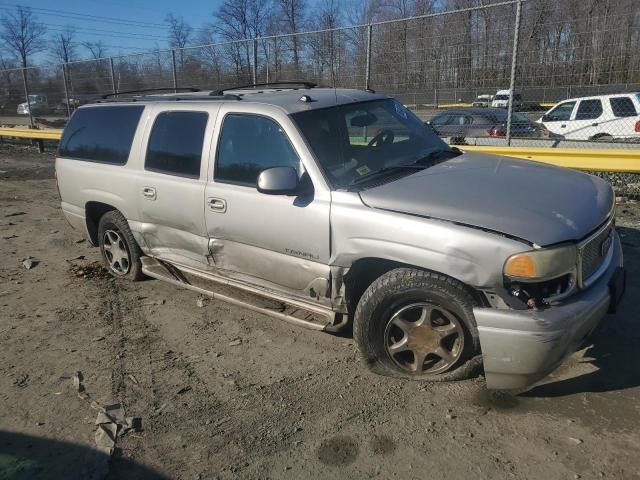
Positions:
{"x": 361, "y": 139}
{"x": 502, "y": 97}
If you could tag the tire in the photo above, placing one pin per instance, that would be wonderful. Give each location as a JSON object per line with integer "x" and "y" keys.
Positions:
{"x": 116, "y": 242}
{"x": 406, "y": 297}
{"x": 602, "y": 137}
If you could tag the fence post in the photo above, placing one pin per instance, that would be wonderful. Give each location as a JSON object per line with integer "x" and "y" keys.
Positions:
{"x": 26, "y": 95}
{"x": 514, "y": 59}
{"x": 66, "y": 88}
{"x": 367, "y": 82}
{"x": 268, "y": 58}
{"x": 113, "y": 77}
{"x": 173, "y": 69}
{"x": 255, "y": 61}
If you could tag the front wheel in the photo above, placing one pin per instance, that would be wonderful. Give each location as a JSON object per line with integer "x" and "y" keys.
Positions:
{"x": 120, "y": 252}
{"x": 419, "y": 325}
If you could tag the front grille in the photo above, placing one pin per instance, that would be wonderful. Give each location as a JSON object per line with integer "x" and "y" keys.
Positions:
{"x": 591, "y": 254}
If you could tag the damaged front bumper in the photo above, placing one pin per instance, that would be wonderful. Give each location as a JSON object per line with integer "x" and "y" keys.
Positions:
{"x": 519, "y": 347}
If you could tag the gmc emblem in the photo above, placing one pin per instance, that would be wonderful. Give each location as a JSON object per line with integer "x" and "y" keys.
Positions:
{"x": 606, "y": 245}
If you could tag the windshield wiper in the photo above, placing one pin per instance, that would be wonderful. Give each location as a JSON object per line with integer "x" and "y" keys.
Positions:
{"x": 419, "y": 164}
{"x": 385, "y": 171}
{"x": 436, "y": 154}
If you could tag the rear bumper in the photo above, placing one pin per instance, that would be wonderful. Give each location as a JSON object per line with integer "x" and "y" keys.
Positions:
{"x": 521, "y": 347}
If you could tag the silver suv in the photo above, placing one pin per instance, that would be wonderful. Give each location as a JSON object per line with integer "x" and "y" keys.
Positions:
{"x": 327, "y": 207}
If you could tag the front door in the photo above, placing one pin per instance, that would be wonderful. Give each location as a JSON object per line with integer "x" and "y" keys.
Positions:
{"x": 277, "y": 241}
{"x": 557, "y": 119}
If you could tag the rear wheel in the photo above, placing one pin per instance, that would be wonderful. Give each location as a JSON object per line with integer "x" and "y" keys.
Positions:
{"x": 602, "y": 137}
{"x": 419, "y": 325}
{"x": 120, "y": 252}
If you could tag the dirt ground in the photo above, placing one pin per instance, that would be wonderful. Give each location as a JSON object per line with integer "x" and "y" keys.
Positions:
{"x": 226, "y": 393}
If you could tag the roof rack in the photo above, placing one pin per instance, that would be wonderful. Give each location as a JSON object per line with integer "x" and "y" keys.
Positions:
{"x": 169, "y": 98}
{"x": 143, "y": 90}
{"x": 285, "y": 85}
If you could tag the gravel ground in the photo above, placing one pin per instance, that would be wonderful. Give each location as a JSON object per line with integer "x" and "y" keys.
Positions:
{"x": 226, "y": 393}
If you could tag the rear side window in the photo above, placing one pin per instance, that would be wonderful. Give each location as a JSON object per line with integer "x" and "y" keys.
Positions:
{"x": 622, "y": 107}
{"x": 101, "y": 134}
{"x": 250, "y": 144}
{"x": 589, "y": 109}
{"x": 175, "y": 143}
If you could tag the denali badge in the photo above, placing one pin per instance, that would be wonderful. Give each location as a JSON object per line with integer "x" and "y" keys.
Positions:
{"x": 606, "y": 245}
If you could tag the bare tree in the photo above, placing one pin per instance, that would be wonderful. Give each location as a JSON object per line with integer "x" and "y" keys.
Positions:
{"x": 63, "y": 45}
{"x": 96, "y": 49}
{"x": 292, "y": 12}
{"x": 241, "y": 20}
{"x": 22, "y": 33}
{"x": 180, "y": 32}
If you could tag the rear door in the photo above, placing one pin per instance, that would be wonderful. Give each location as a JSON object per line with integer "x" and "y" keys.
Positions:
{"x": 170, "y": 189}
{"x": 588, "y": 120}
{"x": 274, "y": 240}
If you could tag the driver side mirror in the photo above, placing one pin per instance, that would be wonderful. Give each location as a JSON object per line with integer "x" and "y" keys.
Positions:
{"x": 278, "y": 181}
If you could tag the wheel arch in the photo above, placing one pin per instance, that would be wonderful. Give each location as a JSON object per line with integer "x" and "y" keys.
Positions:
{"x": 94, "y": 211}
{"x": 364, "y": 271}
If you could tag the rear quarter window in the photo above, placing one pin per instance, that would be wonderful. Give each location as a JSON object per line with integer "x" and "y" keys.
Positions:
{"x": 623, "y": 107}
{"x": 101, "y": 134}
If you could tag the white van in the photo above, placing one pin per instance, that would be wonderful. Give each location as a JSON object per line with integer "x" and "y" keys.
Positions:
{"x": 501, "y": 99}
{"x": 602, "y": 117}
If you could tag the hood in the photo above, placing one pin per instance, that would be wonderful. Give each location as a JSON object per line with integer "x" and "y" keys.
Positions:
{"x": 532, "y": 201}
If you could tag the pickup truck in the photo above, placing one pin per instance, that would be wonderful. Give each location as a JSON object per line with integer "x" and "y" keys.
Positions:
{"x": 336, "y": 207}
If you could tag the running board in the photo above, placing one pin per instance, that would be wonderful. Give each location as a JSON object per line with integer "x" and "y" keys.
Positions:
{"x": 258, "y": 300}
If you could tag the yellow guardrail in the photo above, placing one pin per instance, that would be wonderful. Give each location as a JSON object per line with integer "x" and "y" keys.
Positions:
{"x": 603, "y": 160}
{"x": 599, "y": 160}
{"x": 32, "y": 133}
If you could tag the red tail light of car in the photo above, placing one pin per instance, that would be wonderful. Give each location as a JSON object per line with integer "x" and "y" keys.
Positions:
{"x": 495, "y": 132}
{"x": 638, "y": 126}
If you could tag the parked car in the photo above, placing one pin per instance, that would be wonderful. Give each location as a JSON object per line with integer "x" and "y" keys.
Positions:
{"x": 501, "y": 99}
{"x": 39, "y": 105}
{"x": 74, "y": 102}
{"x": 482, "y": 101}
{"x": 342, "y": 206}
{"x": 460, "y": 123}
{"x": 603, "y": 117}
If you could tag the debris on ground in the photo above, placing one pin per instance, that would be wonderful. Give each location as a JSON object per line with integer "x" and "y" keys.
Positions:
{"x": 155, "y": 302}
{"x": 29, "y": 263}
{"x": 202, "y": 302}
{"x": 575, "y": 441}
{"x": 89, "y": 271}
{"x": 82, "y": 240}
{"x": 183, "y": 390}
{"x": 235, "y": 342}
{"x": 9, "y": 237}
{"x": 111, "y": 421}
{"x": 15, "y": 214}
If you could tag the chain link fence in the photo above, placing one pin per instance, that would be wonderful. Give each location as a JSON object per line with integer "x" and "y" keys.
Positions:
{"x": 511, "y": 72}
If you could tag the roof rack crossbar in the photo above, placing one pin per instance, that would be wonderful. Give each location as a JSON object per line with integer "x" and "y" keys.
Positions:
{"x": 253, "y": 86}
{"x": 143, "y": 90}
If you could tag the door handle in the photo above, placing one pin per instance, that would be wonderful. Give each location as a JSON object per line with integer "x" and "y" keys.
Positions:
{"x": 149, "y": 192}
{"x": 217, "y": 205}
{"x": 563, "y": 126}
{"x": 594, "y": 124}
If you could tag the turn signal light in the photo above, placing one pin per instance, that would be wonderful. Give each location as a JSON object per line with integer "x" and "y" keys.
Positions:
{"x": 521, "y": 265}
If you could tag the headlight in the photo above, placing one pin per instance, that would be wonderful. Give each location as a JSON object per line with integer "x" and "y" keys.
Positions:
{"x": 542, "y": 264}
